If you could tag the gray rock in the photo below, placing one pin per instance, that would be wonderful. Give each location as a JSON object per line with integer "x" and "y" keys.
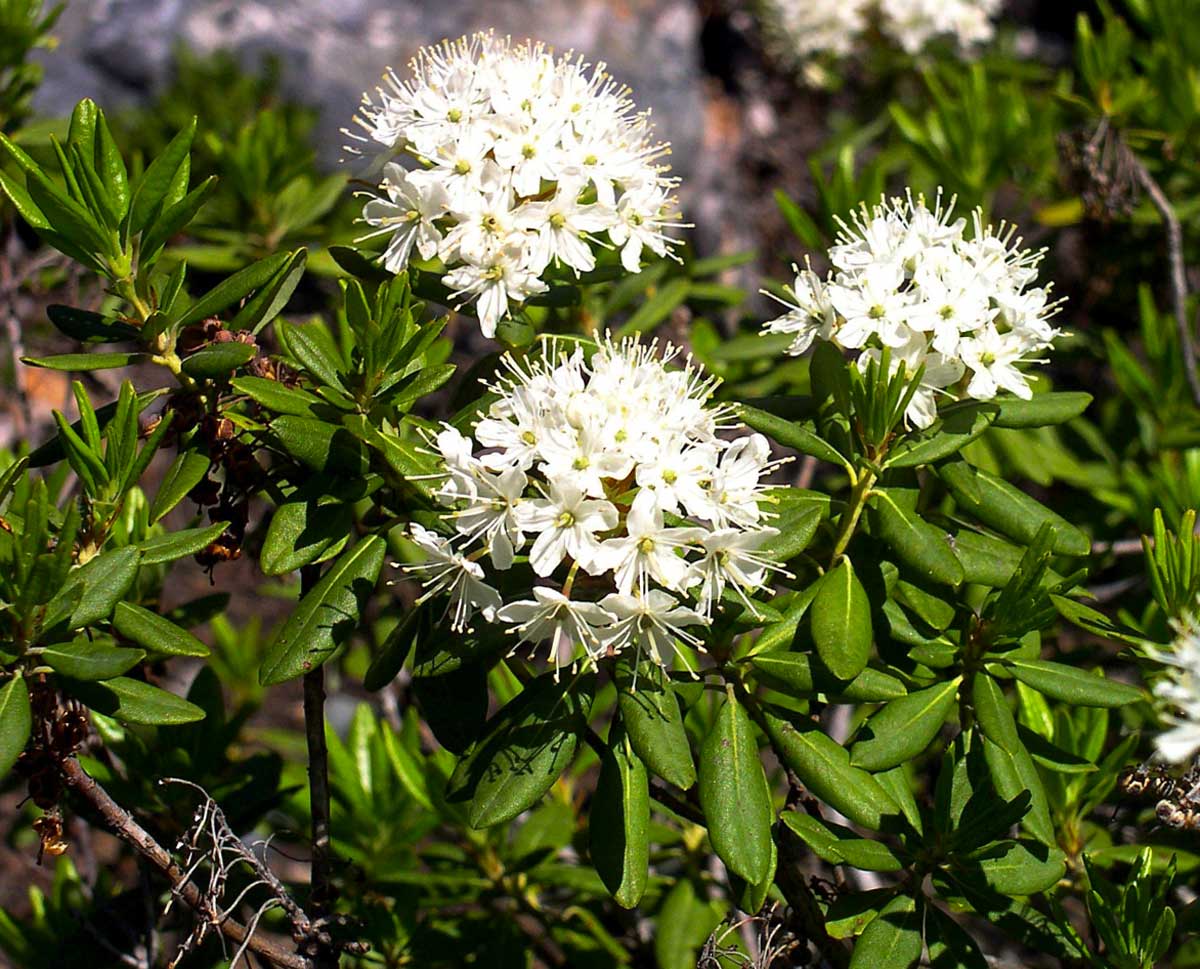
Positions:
{"x": 120, "y": 51}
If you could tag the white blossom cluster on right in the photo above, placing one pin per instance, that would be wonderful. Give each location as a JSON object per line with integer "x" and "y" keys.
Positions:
{"x": 804, "y": 29}
{"x": 963, "y": 306}
{"x": 1179, "y": 692}
{"x": 503, "y": 161}
{"x": 605, "y": 482}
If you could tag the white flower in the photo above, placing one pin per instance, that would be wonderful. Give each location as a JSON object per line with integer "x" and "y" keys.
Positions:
{"x": 649, "y": 624}
{"x": 804, "y": 30}
{"x": 567, "y": 522}
{"x": 552, "y": 616}
{"x": 908, "y": 278}
{"x": 587, "y": 453}
{"x": 448, "y": 571}
{"x": 991, "y": 356}
{"x": 1179, "y": 692}
{"x": 503, "y": 141}
{"x": 408, "y": 213}
{"x": 731, "y": 556}
{"x": 496, "y": 277}
{"x": 811, "y": 313}
{"x": 648, "y": 549}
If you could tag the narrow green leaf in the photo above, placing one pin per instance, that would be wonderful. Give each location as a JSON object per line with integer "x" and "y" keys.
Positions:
{"x": 156, "y": 181}
{"x": 303, "y": 532}
{"x": 905, "y": 727}
{"x": 528, "y": 744}
{"x": 797, "y": 675}
{"x": 172, "y": 221}
{"x": 79, "y": 362}
{"x": 794, "y": 434}
{"x": 958, "y": 425}
{"x": 412, "y": 629}
{"x": 277, "y": 398}
{"x": 1009, "y": 510}
{"x": 272, "y": 297}
{"x": 1023, "y": 868}
{"x": 1042, "y": 409}
{"x": 650, "y": 712}
{"x": 619, "y": 822}
{"x": 734, "y": 794}
{"x": 186, "y": 471}
{"x": 326, "y": 617}
{"x": 132, "y": 701}
{"x": 657, "y": 308}
{"x": 88, "y": 660}
{"x": 824, "y": 767}
{"x": 176, "y": 545}
{"x": 100, "y": 585}
{"x": 1072, "y": 685}
{"x": 918, "y": 544}
{"x": 892, "y": 939}
{"x": 85, "y": 326}
{"x": 841, "y": 622}
{"x": 16, "y": 722}
{"x": 218, "y": 359}
{"x": 233, "y": 289}
{"x": 155, "y": 633}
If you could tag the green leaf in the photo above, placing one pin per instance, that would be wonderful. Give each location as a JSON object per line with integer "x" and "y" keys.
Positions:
{"x": 156, "y": 181}
{"x": 528, "y": 744}
{"x": 314, "y": 349}
{"x": 233, "y": 289}
{"x": 837, "y": 844}
{"x": 175, "y": 218}
{"x": 1072, "y": 685}
{"x": 1042, "y": 409}
{"x": 905, "y": 727}
{"x": 80, "y": 362}
{"x": 415, "y": 626}
{"x": 85, "y": 326}
{"x": 959, "y": 424}
{"x": 100, "y": 585}
{"x": 1013, "y": 773}
{"x": 619, "y": 822}
{"x": 734, "y": 794}
{"x": 321, "y": 446}
{"x": 155, "y": 633}
{"x": 132, "y": 701}
{"x": 1094, "y": 621}
{"x": 656, "y": 309}
{"x": 919, "y": 545}
{"x": 824, "y": 767}
{"x": 794, "y": 434}
{"x": 16, "y": 722}
{"x": 277, "y": 398}
{"x": 1009, "y": 510}
{"x": 892, "y": 939}
{"x": 841, "y": 622}
{"x": 271, "y": 298}
{"x": 326, "y": 617}
{"x": 797, "y": 515}
{"x": 186, "y": 471}
{"x": 303, "y": 532}
{"x": 797, "y": 675}
{"x": 218, "y": 359}
{"x": 652, "y": 719}
{"x": 176, "y": 545}
{"x": 1023, "y": 868}
{"x": 88, "y": 660}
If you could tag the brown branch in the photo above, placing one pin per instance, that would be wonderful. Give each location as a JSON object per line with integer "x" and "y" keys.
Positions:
{"x": 809, "y": 921}
{"x": 128, "y": 830}
{"x": 1178, "y": 272}
{"x": 318, "y": 789}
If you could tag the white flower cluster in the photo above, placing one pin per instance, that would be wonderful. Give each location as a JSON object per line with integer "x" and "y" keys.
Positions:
{"x": 502, "y": 160}
{"x": 611, "y": 476}
{"x": 808, "y": 28}
{"x": 909, "y": 278}
{"x": 1179, "y": 690}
